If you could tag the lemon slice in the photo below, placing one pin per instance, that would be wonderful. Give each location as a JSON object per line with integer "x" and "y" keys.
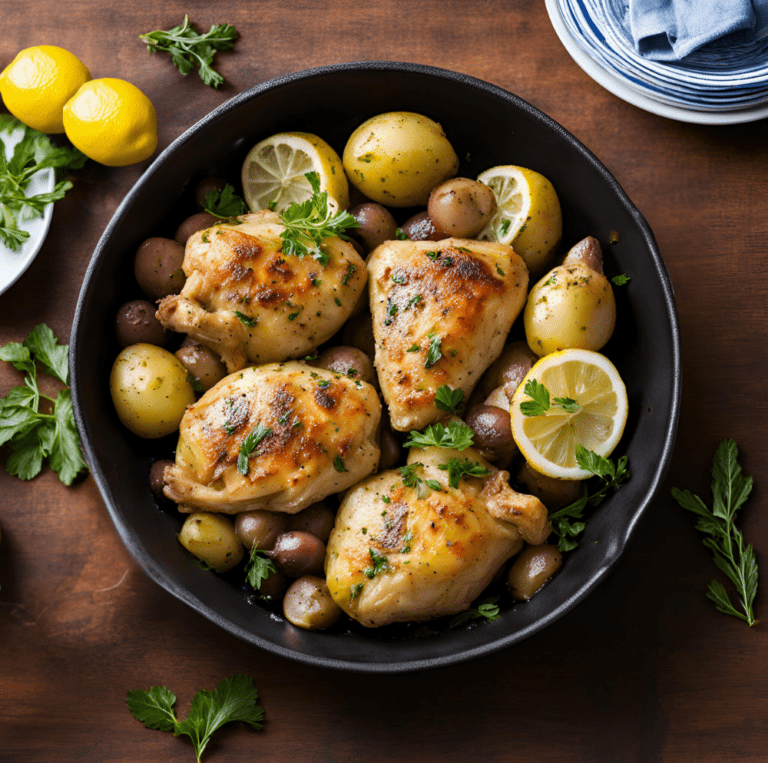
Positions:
{"x": 528, "y": 215}
{"x": 274, "y": 172}
{"x": 549, "y": 441}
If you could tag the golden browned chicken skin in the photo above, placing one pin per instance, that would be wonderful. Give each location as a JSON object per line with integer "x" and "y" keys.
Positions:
{"x": 401, "y": 553}
{"x": 248, "y": 301}
{"x": 321, "y": 437}
{"x": 441, "y": 313}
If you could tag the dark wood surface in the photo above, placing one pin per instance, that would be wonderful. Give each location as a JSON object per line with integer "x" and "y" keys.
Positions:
{"x": 643, "y": 670}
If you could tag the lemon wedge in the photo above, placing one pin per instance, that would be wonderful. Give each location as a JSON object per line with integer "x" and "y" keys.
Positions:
{"x": 274, "y": 172}
{"x": 528, "y": 215}
{"x": 596, "y": 421}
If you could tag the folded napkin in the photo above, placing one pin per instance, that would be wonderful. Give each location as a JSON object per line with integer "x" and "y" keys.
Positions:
{"x": 669, "y": 30}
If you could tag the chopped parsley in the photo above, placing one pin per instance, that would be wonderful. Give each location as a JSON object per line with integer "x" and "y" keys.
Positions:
{"x": 380, "y": 564}
{"x": 540, "y": 402}
{"x": 459, "y": 467}
{"x": 391, "y": 312}
{"x": 456, "y": 435}
{"x": 488, "y": 610}
{"x": 400, "y": 235}
{"x": 415, "y": 348}
{"x": 351, "y": 268}
{"x": 620, "y": 280}
{"x": 250, "y": 443}
{"x": 447, "y": 399}
{"x": 505, "y": 227}
{"x": 398, "y": 278}
{"x": 245, "y": 320}
{"x": 434, "y": 353}
{"x": 338, "y": 464}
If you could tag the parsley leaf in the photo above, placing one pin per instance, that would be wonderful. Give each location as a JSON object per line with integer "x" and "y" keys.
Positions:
{"x": 245, "y": 319}
{"x": 621, "y": 279}
{"x": 612, "y": 476}
{"x": 488, "y": 610}
{"x": 188, "y": 48}
{"x": 434, "y": 353}
{"x": 249, "y": 444}
{"x": 540, "y": 402}
{"x": 30, "y": 435}
{"x": 338, "y": 464}
{"x": 234, "y": 699}
{"x": 380, "y": 564}
{"x": 447, "y": 399}
{"x": 308, "y": 223}
{"x": 730, "y": 489}
{"x": 258, "y": 568}
{"x": 458, "y": 467}
{"x": 34, "y": 152}
{"x": 456, "y": 435}
{"x": 408, "y": 473}
{"x": 224, "y": 203}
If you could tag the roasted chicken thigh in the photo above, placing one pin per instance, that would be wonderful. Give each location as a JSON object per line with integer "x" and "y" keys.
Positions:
{"x": 441, "y": 314}
{"x": 248, "y": 301}
{"x": 277, "y": 437}
{"x": 402, "y": 552}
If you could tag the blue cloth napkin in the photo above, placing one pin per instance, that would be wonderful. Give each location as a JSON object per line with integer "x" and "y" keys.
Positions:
{"x": 669, "y": 30}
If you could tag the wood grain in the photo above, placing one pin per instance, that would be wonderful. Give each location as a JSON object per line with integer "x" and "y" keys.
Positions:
{"x": 643, "y": 670}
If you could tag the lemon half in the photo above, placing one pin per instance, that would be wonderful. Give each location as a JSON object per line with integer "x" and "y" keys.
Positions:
{"x": 550, "y": 440}
{"x": 528, "y": 215}
{"x": 274, "y": 172}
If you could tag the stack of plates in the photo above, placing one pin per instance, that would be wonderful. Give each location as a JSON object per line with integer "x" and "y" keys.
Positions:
{"x": 717, "y": 84}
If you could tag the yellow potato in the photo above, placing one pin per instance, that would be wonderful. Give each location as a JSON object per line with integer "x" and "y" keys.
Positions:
{"x": 571, "y": 307}
{"x": 150, "y": 390}
{"x": 212, "y": 539}
{"x": 397, "y": 158}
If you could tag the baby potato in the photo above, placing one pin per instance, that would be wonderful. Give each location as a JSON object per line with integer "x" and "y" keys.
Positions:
{"x": 570, "y": 307}
{"x": 397, "y": 158}
{"x": 150, "y": 390}
{"x": 212, "y": 539}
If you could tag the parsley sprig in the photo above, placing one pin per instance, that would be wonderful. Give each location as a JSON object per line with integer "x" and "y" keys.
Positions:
{"x": 309, "y": 223}
{"x": 33, "y": 436}
{"x": 249, "y": 444}
{"x": 488, "y": 610}
{"x": 612, "y": 475}
{"x": 456, "y": 435}
{"x": 447, "y": 399}
{"x": 541, "y": 403}
{"x": 459, "y": 467}
{"x": 33, "y": 153}
{"x": 730, "y": 489}
{"x": 258, "y": 568}
{"x": 224, "y": 203}
{"x": 234, "y": 699}
{"x": 189, "y": 48}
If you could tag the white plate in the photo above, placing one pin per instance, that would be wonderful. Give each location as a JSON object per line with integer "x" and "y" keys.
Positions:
{"x": 13, "y": 264}
{"x": 618, "y": 87}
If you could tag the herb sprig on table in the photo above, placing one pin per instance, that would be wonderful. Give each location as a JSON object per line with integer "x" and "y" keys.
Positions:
{"x": 31, "y": 435}
{"x": 730, "y": 489}
{"x": 188, "y": 48}
{"x": 234, "y": 699}
{"x": 34, "y": 152}
{"x": 308, "y": 223}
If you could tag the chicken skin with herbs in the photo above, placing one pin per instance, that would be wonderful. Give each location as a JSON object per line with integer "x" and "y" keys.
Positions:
{"x": 249, "y": 302}
{"x": 441, "y": 314}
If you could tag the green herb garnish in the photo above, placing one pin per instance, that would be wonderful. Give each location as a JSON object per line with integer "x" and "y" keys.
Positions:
{"x": 434, "y": 353}
{"x": 414, "y": 348}
{"x": 540, "y": 402}
{"x": 351, "y": 268}
{"x": 459, "y": 467}
{"x": 611, "y": 475}
{"x": 234, "y": 699}
{"x": 488, "y": 610}
{"x": 408, "y": 473}
{"x": 258, "y": 568}
{"x": 400, "y": 235}
{"x": 338, "y": 464}
{"x": 189, "y": 48}
{"x": 505, "y": 227}
{"x": 30, "y": 435}
{"x": 730, "y": 489}
{"x": 245, "y": 319}
{"x": 250, "y": 443}
{"x": 380, "y": 564}
{"x": 309, "y": 223}
{"x": 620, "y": 280}
{"x": 224, "y": 203}
{"x": 456, "y": 436}
{"x": 34, "y": 152}
{"x": 447, "y": 399}
{"x": 355, "y": 590}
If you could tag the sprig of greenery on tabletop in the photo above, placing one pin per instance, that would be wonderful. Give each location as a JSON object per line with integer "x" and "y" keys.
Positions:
{"x": 189, "y": 48}
{"x": 33, "y": 436}
{"x": 307, "y": 224}
{"x": 33, "y": 153}
{"x": 234, "y": 699}
{"x": 730, "y": 489}
{"x": 612, "y": 475}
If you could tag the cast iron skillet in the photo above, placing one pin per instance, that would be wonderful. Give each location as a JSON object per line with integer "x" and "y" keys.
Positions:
{"x": 493, "y": 127}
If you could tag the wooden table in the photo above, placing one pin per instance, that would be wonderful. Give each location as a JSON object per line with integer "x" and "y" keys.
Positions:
{"x": 645, "y": 669}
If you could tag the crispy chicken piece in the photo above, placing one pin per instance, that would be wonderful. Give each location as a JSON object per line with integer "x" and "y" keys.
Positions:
{"x": 441, "y": 314}
{"x": 249, "y": 302}
{"x": 402, "y": 553}
{"x": 313, "y": 433}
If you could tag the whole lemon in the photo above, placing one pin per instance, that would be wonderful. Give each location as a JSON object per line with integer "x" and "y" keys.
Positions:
{"x": 38, "y": 82}
{"x": 112, "y": 122}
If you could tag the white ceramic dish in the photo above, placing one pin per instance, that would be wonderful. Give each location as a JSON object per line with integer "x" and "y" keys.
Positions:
{"x": 13, "y": 264}
{"x": 622, "y": 90}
